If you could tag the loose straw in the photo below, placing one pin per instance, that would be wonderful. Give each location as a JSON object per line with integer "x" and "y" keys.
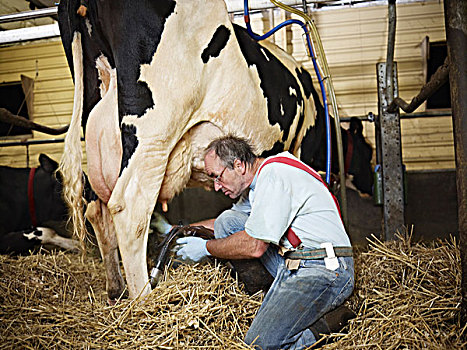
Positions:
{"x": 407, "y": 296}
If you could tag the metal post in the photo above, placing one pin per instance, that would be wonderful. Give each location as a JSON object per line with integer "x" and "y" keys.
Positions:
{"x": 389, "y": 137}
{"x": 392, "y": 17}
{"x": 456, "y": 34}
{"x": 390, "y": 157}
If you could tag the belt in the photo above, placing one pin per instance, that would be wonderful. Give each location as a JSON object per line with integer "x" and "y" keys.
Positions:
{"x": 312, "y": 254}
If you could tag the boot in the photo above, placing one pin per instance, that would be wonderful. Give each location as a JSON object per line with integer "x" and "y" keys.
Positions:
{"x": 332, "y": 322}
{"x": 253, "y": 274}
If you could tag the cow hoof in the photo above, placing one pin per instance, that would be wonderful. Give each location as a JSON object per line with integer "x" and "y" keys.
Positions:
{"x": 116, "y": 301}
{"x": 33, "y": 235}
{"x": 113, "y": 302}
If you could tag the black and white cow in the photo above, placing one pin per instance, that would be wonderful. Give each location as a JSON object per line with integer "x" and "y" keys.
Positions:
{"x": 32, "y": 210}
{"x": 155, "y": 82}
{"x": 357, "y": 152}
{"x": 27, "y": 241}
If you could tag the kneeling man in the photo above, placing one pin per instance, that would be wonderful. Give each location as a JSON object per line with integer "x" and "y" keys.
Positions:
{"x": 288, "y": 219}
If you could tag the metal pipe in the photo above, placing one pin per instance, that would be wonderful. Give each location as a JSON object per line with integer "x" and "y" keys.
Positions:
{"x": 32, "y": 142}
{"x": 25, "y": 15}
{"x": 392, "y": 16}
{"x": 370, "y": 117}
{"x": 29, "y": 33}
{"x": 233, "y": 6}
{"x": 436, "y": 81}
{"x": 426, "y": 115}
{"x": 237, "y": 5}
{"x": 16, "y": 120}
{"x": 340, "y": 159}
{"x": 305, "y": 7}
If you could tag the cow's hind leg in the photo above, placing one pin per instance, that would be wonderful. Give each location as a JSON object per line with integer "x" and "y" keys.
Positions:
{"x": 98, "y": 214}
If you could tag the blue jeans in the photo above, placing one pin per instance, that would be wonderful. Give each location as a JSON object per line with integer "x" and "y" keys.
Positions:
{"x": 296, "y": 299}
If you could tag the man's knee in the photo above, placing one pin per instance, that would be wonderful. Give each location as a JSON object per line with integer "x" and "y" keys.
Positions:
{"x": 261, "y": 342}
{"x": 249, "y": 339}
{"x": 254, "y": 340}
{"x": 230, "y": 221}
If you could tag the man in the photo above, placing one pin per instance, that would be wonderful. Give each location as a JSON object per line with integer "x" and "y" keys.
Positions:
{"x": 283, "y": 217}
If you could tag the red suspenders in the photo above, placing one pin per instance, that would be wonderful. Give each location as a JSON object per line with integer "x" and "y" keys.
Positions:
{"x": 291, "y": 236}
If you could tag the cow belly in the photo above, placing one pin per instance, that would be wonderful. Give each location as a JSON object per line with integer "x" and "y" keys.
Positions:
{"x": 103, "y": 138}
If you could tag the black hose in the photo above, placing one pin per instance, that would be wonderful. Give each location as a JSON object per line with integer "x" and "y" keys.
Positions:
{"x": 157, "y": 271}
{"x": 195, "y": 231}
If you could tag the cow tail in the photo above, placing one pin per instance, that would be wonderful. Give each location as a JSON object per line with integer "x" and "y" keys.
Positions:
{"x": 71, "y": 161}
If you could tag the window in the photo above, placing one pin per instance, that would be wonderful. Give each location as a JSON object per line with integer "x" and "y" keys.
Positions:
{"x": 437, "y": 52}
{"x": 15, "y": 100}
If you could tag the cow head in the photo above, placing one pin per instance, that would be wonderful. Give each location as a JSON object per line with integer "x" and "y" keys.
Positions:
{"x": 50, "y": 207}
{"x": 360, "y": 166}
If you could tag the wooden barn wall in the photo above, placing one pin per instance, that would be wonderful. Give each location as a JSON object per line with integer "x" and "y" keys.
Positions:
{"x": 45, "y": 63}
{"x": 354, "y": 39}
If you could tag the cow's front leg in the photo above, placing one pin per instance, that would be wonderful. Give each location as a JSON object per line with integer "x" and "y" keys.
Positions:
{"x": 132, "y": 225}
{"x": 131, "y": 205}
{"x": 98, "y": 214}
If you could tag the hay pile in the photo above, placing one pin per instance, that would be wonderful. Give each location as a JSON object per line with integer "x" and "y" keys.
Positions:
{"x": 55, "y": 301}
{"x": 407, "y": 297}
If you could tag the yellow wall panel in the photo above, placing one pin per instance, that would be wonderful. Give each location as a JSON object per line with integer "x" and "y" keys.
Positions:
{"x": 43, "y": 61}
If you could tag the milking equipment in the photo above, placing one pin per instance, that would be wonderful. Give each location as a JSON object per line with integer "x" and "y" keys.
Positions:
{"x": 177, "y": 231}
{"x": 324, "y": 76}
{"x": 317, "y": 65}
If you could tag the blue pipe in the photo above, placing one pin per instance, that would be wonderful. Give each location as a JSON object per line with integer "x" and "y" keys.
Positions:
{"x": 315, "y": 65}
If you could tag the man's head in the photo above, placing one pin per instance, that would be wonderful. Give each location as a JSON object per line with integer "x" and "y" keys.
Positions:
{"x": 230, "y": 162}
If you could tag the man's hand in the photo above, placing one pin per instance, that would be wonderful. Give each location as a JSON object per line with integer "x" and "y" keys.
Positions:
{"x": 192, "y": 248}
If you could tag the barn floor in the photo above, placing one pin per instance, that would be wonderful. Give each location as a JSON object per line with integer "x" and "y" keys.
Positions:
{"x": 431, "y": 208}
{"x": 407, "y": 296}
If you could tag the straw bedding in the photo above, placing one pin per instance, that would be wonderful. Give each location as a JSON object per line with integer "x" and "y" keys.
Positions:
{"x": 407, "y": 297}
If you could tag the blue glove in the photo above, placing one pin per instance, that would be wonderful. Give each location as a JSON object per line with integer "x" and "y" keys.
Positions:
{"x": 192, "y": 248}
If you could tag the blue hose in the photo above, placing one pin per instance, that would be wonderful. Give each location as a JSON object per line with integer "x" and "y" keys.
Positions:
{"x": 315, "y": 65}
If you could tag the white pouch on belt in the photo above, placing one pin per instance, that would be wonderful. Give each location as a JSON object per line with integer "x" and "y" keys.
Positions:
{"x": 330, "y": 261}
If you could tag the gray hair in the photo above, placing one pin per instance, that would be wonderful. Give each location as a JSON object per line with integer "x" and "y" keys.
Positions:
{"x": 230, "y": 147}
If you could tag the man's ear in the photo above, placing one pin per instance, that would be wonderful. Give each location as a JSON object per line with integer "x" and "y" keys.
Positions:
{"x": 239, "y": 166}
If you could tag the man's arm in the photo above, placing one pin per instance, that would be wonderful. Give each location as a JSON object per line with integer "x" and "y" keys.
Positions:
{"x": 239, "y": 245}
{"x": 209, "y": 223}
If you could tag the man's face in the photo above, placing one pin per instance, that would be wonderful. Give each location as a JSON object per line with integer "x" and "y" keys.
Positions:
{"x": 230, "y": 181}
